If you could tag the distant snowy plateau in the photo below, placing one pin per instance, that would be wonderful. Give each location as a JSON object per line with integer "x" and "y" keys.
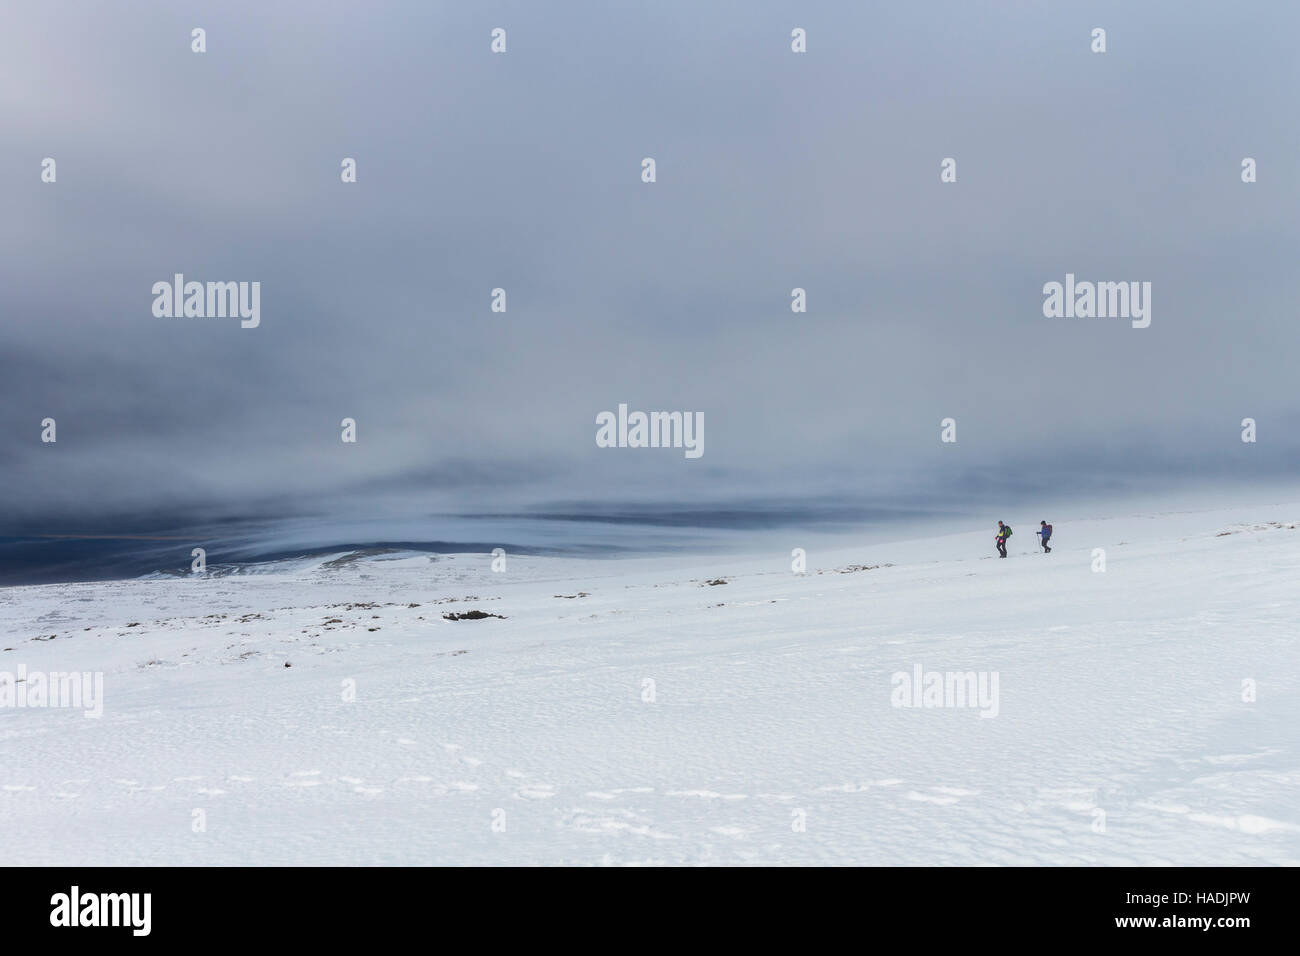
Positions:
{"x": 705, "y": 710}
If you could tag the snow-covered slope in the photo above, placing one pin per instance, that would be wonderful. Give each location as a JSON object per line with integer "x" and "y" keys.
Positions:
{"x": 632, "y": 712}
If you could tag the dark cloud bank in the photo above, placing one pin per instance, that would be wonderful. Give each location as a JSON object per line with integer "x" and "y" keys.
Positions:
{"x": 522, "y": 171}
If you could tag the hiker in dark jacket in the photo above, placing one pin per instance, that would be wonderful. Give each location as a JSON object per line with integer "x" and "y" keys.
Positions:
{"x": 1045, "y": 532}
{"x": 1004, "y": 532}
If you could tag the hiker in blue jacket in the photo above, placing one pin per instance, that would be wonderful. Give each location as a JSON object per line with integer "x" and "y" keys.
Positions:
{"x": 1045, "y": 532}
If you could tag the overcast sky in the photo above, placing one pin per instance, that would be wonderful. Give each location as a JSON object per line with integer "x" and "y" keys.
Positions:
{"x": 523, "y": 171}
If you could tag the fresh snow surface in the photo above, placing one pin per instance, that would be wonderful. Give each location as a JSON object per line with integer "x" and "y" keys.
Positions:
{"x": 768, "y": 735}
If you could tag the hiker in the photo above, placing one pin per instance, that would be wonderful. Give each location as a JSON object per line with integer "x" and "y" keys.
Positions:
{"x": 1004, "y": 532}
{"x": 1045, "y": 532}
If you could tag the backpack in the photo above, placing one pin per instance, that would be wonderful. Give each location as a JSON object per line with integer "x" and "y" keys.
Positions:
{"x": 1049, "y": 530}
{"x": 1008, "y": 530}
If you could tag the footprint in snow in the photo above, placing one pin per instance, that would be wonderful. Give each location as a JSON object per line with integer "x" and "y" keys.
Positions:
{"x": 930, "y": 798}
{"x": 615, "y": 794}
{"x": 541, "y": 791}
{"x": 707, "y": 794}
{"x": 733, "y": 832}
{"x": 1233, "y": 759}
{"x": 1246, "y": 823}
{"x": 454, "y": 750}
